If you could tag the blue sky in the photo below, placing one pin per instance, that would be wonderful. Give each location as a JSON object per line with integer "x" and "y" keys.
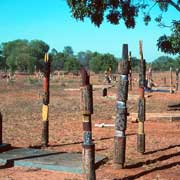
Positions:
{"x": 51, "y": 21}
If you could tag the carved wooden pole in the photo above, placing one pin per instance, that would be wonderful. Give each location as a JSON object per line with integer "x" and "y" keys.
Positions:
{"x": 130, "y": 72}
{"x": 171, "y": 80}
{"x": 177, "y": 79}
{"x": 86, "y": 106}
{"x": 3, "y": 147}
{"x": 121, "y": 110}
{"x": 1, "y": 129}
{"x": 141, "y": 103}
{"x": 149, "y": 78}
{"x": 164, "y": 81}
{"x": 45, "y": 108}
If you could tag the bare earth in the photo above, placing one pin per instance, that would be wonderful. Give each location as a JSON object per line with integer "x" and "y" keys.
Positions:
{"x": 21, "y": 104}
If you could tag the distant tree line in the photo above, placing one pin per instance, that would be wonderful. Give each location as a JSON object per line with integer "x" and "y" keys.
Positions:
{"x": 164, "y": 63}
{"x": 27, "y": 56}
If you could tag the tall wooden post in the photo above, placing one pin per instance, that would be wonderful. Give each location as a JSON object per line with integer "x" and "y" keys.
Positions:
{"x": 177, "y": 79}
{"x": 149, "y": 78}
{"x": 171, "y": 80}
{"x": 164, "y": 80}
{"x": 130, "y": 72}
{"x": 86, "y": 106}
{"x": 141, "y": 103}
{"x": 3, "y": 147}
{"x": 1, "y": 129}
{"x": 121, "y": 110}
{"x": 45, "y": 108}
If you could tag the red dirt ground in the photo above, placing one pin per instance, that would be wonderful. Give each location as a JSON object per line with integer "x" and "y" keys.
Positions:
{"x": 21, "y": 104}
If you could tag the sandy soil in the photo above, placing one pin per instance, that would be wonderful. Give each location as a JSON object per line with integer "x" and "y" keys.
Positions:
{"x": 21, "y": 104}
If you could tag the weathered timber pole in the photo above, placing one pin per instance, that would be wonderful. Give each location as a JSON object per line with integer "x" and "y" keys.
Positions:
{"x": 45, "y": 108}
{"x": 164, "y": 81}
{"x": 3, "y": 147}
{"x": 177, "y": 79}
{"x": 149, "y": 78}
{"x": 141, "y": 103}
{"x": 121, "y": 110}
{"x": 86, "y": 106}
{"x": 130, "y": 71}
{"x": 1, "y": 129}
{"x": 171, "y": 80}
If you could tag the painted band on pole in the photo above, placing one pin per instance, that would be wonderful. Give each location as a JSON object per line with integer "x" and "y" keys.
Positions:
{"x": 141, "y": 102}
{"x": 121, "y": 110}
{"x": 86, "y": 108}
{"x": 45, "y": 108}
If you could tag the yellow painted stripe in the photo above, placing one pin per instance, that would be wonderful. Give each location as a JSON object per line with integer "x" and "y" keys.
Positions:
{"x": 86, "y": 118}
{"x": 140, "y": 127}
{"x": 45, "y": 110}
{"x": 46, "y": 58}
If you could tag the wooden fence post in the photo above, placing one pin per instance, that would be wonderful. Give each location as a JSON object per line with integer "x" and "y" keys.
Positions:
{"x": 164, "y": 79}
{"x": 141, "y": 103}
{"x": 149, "y": 78}
{"x": 3, "y": 147}
{"x": 1, "y": 129}
{"x": 177, "y": 79}
{"x": 121, "y": 110}
{"x": 45, "y": 108}
{"x": 86, "y": 107}
{"x": 171, "y": 80}
{"x": 130, "y": 71}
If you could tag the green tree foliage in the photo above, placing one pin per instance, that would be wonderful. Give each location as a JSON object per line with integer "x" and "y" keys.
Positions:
{"x": 2, "y": 59}
{"x": 116, "y": 10}
{"x": 71, "y": 64}
{"x": 84, "y": 58}
{"x": 163, "y": 63}
{"x": 54, "y": 52}
{"x": 135, "y": 64}
{"x": 68, "y": 51}
{"x": 58, "y": 61}
{"x": 37, "y": 49}
{"x": 127, "y": 11}
{"x": 171, "y": 44}
{"x": 23, "y": 55}
{"x": 101, "y": 62}
{"x": 17, "y": 55}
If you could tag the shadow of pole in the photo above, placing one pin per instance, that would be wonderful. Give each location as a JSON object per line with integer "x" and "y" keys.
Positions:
{"x": 132, "y": 177}
{"x": 162, "y": 149}
{"x": 148, "y": 162}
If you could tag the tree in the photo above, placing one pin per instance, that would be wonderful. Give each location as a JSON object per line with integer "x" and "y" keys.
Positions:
{"x": 84, "y": 57}
{"x": 38, "y": 48}
{"x": 53, "y": 52}
{"x": 2, "y": 59}
{"x": 71, "y": 64}
{"x": 135, "y": 64}
{"x": 116, "y": 10}
{"x": 101, "y": 62}
{"x": 58, "y": 61}
{"x": 23, "y": 55}
{"x": 68, "y": 51}
{"x": 171, "y": 44}
{"x": 17, "y": 55}
{"x": 163, "y": 63}
{"x": 96, "y": 62}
